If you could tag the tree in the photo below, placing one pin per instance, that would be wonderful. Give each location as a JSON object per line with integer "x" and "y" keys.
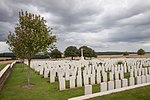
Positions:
{"x": 87, "y": 52}
{"x": 55, "y": 54}
{"x": 140, "y": 52}
{"x": 125, "y": 53}
{"x": 30, "y": 37}
{"x": 71, "y": 51}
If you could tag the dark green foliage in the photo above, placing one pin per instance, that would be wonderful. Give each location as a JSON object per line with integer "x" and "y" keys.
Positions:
{"x": 87, "y": 52}
{"x": 113, "y": 53}
{"x": 7, "y": 55}
{"x": 140, "y": 52}
{"x": 125, "y": 53}
{"x": 38, "y": 56}
{"x": 71, "y": 51}
{"x": 119, "y": 63}
{"x": 55, "y": 54}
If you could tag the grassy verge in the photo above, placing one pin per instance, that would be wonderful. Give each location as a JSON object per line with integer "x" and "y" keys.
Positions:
{"x": 141, "y": 93}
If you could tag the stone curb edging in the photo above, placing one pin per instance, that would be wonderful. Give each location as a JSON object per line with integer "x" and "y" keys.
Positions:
{"x": 108, "y": 92}
{"x": 4, "y": 73}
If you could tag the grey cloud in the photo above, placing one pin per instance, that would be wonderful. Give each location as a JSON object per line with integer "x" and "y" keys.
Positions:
{"x": 72, "y": 19}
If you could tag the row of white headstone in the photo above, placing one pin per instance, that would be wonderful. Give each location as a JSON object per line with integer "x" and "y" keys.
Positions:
{"x": 81, "y": 73}
{"x": 116, "y": 84}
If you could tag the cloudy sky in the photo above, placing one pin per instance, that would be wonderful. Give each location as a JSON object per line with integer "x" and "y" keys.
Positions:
{"x": 104, "y": 25}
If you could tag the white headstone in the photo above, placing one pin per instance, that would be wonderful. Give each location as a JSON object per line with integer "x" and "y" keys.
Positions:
{"x": 92, "y": 79}
{"x": 103, "y": 86}
{"x": 124, "y": 82}
{"x": 131, "y": 81}
{"x": 62, "y": 85}
{"x": 104, "y": 77}
{"x": 116, "y": 75}
{"x": 147, "y": 78}
{"x": 86, "y": 80}
{"x": 88, "y": 89}
{"x": 79, "y": 81}
{"x": 98, "y": 78}
{"x": 118, "y": 84}
{"x": 139, "y": 79}
{"x": 110, "y": 85}
{"x": 72, "y": 82}
{"x": 111, "y": 76}
{"x": 143, "y": 79}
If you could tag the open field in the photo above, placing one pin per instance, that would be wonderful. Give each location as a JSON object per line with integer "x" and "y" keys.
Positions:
{"x": 121, "y": 56}
{"x": 43, "y": 90}
{"x": 6, "y": 62}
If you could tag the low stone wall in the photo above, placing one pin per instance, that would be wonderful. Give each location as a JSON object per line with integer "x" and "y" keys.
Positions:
{"x": 4, "y": 73}
{"x": 85, "y": 97}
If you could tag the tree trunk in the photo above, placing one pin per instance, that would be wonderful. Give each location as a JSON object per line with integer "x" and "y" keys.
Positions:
{"x": 72, "y": 57}
{"x": 22, "y": 64}
{"x": 29, "y": 61}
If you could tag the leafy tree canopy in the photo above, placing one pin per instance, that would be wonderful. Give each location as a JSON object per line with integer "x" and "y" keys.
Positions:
{"x": 140, "y": 52}
{"x": 31, "y": 36}
{"x": 55, "y": 54}
{"x": 87, "y": 51}
{"x": 125, "y": 53}
{"x": 71, "y": 51}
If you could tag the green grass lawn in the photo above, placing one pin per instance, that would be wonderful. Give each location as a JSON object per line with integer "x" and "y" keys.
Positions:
{"x": 43, "y": 90}
{"x": 142, "y": 93}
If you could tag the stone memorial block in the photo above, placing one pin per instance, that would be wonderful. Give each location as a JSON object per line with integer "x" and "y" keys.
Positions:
{"x": 87, "y": 89}
{"x": 52, "y": 78}
{"x": 72, "y": 82}
{"x": 143, "y": 79}
{"x": 149, "y": 70}
{"x": 46, "y": 72}
{"x": 86, "y": 80}
{"x": 117, "y": 75}
{"x": 135, "y": 72}
{"x": 67, "y": 75}
{"x": 147, "y": 78}
{"x": 98, "y": 78}
{"x": 121, "y": 75}
{"x": 139, "y": 72}
{"x": 118, "y": 84}
{"x": 104, "y": 77}
{"x": 110, "y": 85}
{"x": 139, "y": 79}
{"x": 103, "y": 86}
{"x": 124, "y": 82}
{"x": 131, "y": 73}
{"x": 41, "y": 71}
{"x": 79, "y": 81}
{"x": 146, "y": 72}
{"x": 62, "y": 85}
{"x": 143, "y": 71}
{"x": 111, "y": 76}
{"x": 92, "y": 79}
{"x": 131, "y": 81}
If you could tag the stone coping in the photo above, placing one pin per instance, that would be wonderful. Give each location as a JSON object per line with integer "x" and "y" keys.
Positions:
{"x": 108, "y": 92}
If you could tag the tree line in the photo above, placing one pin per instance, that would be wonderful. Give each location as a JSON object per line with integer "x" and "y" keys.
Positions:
{"x": 73, "y": 51}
